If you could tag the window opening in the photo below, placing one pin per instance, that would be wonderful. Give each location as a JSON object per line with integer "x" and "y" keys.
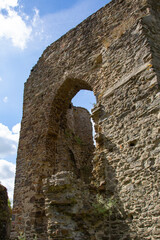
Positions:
{"x": 87, "y": 100}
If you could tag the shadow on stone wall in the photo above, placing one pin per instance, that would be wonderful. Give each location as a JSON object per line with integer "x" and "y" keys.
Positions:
{"x": 4, "y": 214}
{"x": 86, "y": 211}
{"x": 77, "y": 210}
{"x": 113, "y": 221}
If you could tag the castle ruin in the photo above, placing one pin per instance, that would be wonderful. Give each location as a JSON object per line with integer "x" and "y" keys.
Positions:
{"x": 65, "y": 187}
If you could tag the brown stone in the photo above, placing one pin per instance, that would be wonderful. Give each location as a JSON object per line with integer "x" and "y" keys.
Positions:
{"x": 116, "y": 54}
{"x": 5, "y": 214}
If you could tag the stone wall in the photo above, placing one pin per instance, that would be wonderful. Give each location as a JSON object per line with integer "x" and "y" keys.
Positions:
{"x": 115, "y": 52}
{"x": 74, "y": 144}
{"x": 4, "y": 214}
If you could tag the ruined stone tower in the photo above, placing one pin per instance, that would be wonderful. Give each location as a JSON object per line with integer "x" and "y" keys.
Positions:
{"x": 65, "y": 187}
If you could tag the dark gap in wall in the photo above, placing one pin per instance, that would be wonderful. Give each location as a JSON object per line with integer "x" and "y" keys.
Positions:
{"x": 133, "y": 143}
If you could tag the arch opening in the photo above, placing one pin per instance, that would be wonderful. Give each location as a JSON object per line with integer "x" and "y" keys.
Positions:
{"x": 86, "y": 99}
{"x": 69, "y": 142}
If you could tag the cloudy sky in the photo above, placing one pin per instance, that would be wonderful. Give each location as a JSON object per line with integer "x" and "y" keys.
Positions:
{"x": 27, "y": 27}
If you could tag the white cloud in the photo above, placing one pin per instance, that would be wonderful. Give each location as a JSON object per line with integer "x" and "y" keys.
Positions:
{"x": 8, "y": 140}
{"x": 0, "y": 79}
{"x": 16, "y": 128}
{"x": 5, "y": 4}
{"x": 13, "y": 27}
{"x": 16, "y": 25}
{"x": 5, "y": 99}
{"x": 37, "y": 27}
{"x": 8, "y": 145}
{"x": 36, "y": 17}
{"x": 7, "y": 175}
{"x": 22, "y": 29}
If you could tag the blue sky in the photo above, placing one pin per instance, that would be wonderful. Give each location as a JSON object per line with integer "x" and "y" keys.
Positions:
{"x": 27, "y": 27}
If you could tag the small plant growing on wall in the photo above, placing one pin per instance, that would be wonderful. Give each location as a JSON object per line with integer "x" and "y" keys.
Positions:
{"x": 70, "y": 134}
{"x": 22, "y": 236}
{"x": 104, "y": 206}
{"x": 78, "y": 140}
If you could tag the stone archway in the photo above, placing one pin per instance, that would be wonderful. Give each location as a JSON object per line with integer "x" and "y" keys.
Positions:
{"x": 69, "y": 123}
{"x": 69, "y": 146}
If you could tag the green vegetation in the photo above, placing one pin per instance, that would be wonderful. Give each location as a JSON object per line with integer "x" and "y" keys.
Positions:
{"x": 22, "y": 236}
{"x": 70, "y": 134}
{"x": 78, "y": 140}
{"x": 104, "y": 206}
{"x": 9, "y": 204}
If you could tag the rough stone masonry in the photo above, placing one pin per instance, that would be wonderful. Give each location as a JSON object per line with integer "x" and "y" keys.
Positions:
{"x": 66, "y": 188}
{"x": 4, "y": 214}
